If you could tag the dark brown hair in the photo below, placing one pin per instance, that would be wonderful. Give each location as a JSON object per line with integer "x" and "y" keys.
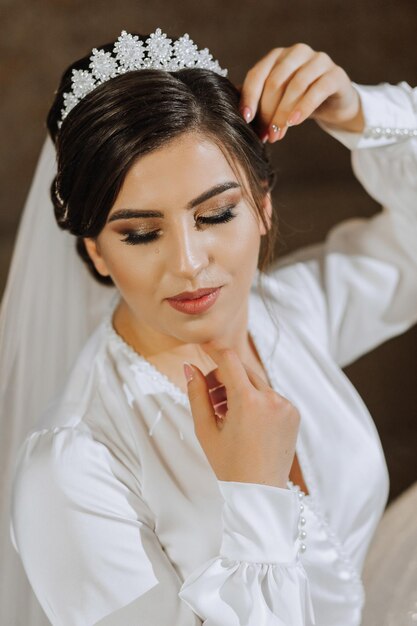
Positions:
{"x": 130, "y": 116}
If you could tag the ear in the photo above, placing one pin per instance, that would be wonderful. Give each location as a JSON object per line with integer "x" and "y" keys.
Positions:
{"x": 93, "y": 250}
{"x": 267, "y": 207}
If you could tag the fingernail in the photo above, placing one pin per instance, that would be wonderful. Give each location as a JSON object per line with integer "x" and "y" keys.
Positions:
{"x": 293, "y": 119}
{"x": 265, "y": 137}
{"x": 282, "y": 133}
{"x": 247, "y": 113}
{"x": 188, "y": 371}
{"x": 276, "y": 130}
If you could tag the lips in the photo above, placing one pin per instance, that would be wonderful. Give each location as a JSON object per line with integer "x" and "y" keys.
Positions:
{"x": 193, "y": 295}
{"x": 195, "y": 306}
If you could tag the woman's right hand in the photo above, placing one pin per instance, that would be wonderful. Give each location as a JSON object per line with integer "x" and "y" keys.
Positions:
{"x": 255, "y": 440}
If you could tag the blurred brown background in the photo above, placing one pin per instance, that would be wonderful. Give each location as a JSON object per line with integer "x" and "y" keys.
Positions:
{"x": 374, "y": 41}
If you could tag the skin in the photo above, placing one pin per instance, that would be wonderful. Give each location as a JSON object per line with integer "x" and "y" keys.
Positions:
{"x": 187, "y": 256}
{"x": 298, "y": 79}
{"x": 284, "y": 88}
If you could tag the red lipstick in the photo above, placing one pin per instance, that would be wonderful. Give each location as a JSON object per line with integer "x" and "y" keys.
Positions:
{"x": 194, "y": 302}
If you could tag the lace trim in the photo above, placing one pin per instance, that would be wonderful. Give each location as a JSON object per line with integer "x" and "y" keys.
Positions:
{"x": 166, "y": 383}
{"x": 146, "y": 366}
{"x": 141, "y": 363}
{"x": 311, "y": 499}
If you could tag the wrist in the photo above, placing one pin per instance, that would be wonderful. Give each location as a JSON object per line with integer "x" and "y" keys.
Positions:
{"x": 260, "y": 523}
{"x": 356, "y": 124}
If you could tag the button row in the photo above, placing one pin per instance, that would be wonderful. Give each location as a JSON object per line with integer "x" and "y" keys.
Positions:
{"x": 376, "y": 132}
{"x": 302, "y": 521}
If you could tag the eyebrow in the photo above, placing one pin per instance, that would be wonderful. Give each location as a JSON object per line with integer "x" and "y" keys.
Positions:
{"x": 121, "y": 214}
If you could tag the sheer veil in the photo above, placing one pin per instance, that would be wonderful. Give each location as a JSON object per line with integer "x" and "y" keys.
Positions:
{"x": 51, "y": 304}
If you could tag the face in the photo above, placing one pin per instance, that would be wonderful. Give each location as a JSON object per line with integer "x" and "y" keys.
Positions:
{"x": 190, "y": 243}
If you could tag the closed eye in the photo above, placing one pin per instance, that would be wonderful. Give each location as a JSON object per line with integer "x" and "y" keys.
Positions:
{"x": 226, "y": 216}
{"x": 132, "y": 238}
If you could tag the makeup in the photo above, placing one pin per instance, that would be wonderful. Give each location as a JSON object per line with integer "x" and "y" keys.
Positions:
{"x": 197, "y": 305}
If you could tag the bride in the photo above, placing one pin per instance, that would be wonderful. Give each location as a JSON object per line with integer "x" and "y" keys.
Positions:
{"x": 187, "y": 448}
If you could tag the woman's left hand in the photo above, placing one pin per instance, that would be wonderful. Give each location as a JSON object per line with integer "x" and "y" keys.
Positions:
{"x": 289, "y": 85}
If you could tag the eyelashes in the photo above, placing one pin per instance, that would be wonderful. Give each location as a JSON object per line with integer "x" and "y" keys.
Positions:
{"x": 132, "y": 238}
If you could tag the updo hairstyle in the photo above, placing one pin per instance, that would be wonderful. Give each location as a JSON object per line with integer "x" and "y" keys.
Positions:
{"x": 130, "y": 116}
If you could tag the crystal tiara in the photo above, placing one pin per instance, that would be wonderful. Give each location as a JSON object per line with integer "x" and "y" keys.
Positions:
{"x": 129, "y": 54}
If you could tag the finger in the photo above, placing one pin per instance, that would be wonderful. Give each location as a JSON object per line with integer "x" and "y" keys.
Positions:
{"x": 200, "y": 403}
{"x": 231, "y": 371}
{"x": 219, "y": 397}
{"x": 253, "y": 83}
{"x": 296, "y": 88}
{"x": 220, "y": 409}
{"x": 256, "y": 380}
{"x": 212, "y": 379}
{"x": 275, "y": 84}
{"x": 318, "y": 92}
{"x": 218, "y": 393}
{"x": 216, "y": 386}
{"x": 217, "y": 389}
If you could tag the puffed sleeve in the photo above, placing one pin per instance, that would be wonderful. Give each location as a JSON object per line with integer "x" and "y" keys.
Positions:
{"x": 86, "y": 539}
{"x": 257, "y": 579}
{"x": 360, "y": 284}
{"x": 88, "y": 545}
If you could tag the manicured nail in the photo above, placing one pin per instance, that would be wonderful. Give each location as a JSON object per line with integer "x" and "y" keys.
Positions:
{"x": 247, "y": 114}
{"x": 293, "y": 119}
{"x": 188, "y": 371}
{"x": 282, "y": 133}
{"x": 275, "y": 129}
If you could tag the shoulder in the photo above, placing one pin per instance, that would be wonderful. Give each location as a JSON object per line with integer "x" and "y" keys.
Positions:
{"x": 74, "y": 518}
{"x": 65, "y": 481}
{"x": 58, "y": 459}
{"x": 90, "y": 413}
{"x": 293, "y": 282}
{"x": 66, "y": 466}
{"x": 294, "y": 292}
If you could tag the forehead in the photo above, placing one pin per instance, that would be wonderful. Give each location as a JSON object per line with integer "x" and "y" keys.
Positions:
{"x": 177, "y": 172}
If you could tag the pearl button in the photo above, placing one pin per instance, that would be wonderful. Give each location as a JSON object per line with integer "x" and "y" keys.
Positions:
{"x": 301, "y": 522}
{"x": 377, "y": 132}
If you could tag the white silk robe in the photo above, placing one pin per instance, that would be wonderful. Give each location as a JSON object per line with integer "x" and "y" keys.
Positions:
{"x": 117, "y": 515}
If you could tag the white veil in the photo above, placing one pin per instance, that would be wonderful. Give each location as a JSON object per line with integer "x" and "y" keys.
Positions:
{"x": 50, "y": 306}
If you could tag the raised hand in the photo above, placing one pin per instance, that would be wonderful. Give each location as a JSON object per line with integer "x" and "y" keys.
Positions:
{"x": 289, "y": 85}
{"x": 255, "y": 439}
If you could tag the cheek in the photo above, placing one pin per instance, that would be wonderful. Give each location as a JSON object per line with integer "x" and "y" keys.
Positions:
{"x": 243, "y": 241}
{"x": 129, "y": 270}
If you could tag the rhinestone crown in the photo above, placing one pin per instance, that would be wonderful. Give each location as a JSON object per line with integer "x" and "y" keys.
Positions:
{"x": 129, "y": 55}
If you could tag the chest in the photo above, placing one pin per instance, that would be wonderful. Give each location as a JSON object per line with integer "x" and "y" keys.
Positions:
{"x": 177, "y": 376}
{"x": 336, "y": 447}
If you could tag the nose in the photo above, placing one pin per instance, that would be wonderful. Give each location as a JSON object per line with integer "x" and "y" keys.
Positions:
{"x": 188, "y": 253}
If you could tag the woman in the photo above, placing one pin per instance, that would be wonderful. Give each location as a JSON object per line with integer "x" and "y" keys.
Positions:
{"x": 248, "y": 495}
